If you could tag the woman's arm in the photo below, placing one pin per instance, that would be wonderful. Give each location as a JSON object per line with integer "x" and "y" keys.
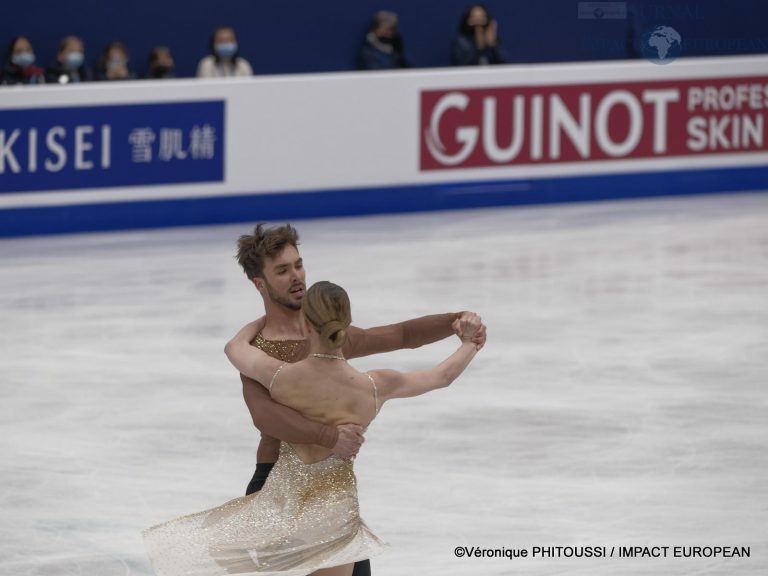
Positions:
{"x": 464, "y": 52}
{"x": 393, "y": 384}
{"x": 249, "y": 360}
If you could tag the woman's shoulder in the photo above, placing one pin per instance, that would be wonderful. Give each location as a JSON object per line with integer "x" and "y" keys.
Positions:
{"x": 206, "y": 65}
{"x": 243, "y": 67}
{"x": 383, "y": 375}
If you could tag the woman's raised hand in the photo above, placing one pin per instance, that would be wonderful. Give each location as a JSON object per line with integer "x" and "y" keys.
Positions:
{"x": 469, "y": 327}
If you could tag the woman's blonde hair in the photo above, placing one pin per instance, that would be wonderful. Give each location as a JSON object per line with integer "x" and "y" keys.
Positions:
{"x": 326, "y": 307}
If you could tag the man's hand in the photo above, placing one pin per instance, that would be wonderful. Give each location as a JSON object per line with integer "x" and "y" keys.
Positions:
{"x": 469, "y": 327}
{"x": 349, "y": 441}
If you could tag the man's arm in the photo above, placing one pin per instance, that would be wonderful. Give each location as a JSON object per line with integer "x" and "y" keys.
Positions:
{"x": 408, "y": 334}
{"x": 248, "y": 359}
{"x": 282, "y": 422}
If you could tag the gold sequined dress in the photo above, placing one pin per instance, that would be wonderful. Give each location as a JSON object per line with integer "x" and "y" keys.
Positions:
{"x": 305, "y": 518}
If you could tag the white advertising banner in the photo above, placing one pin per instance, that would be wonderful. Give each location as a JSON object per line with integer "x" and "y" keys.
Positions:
{"x": 142, "y": 140}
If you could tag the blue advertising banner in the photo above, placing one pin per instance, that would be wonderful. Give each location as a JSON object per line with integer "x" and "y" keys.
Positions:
{"x": 110, "y": 146}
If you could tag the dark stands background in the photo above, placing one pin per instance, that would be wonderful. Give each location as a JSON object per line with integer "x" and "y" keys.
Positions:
{"x": 295, "y": 36}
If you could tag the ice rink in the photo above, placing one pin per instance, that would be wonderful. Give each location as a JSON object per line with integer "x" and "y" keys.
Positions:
{"x": 621, "y": 400}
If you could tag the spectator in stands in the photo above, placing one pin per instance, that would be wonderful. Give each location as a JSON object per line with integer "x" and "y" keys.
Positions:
{"x": 224, "y": 59}
{"x": 113, "y": 64}
{"x": 383, "y": 47}
{"x": 19, "y": 67}
{"x": 70, "y": 65}
{"x": 477, "y": 43}
{"x": 160, "y": 63}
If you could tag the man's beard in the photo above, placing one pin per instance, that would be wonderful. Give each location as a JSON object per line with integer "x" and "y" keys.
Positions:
{"x": 275, "y": 297}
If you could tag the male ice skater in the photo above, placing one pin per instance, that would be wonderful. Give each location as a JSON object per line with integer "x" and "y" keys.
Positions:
{"x": 270, "y": 259}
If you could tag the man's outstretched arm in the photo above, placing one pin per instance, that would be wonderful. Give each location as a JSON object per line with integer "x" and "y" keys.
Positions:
{"x": 408, "y": 334}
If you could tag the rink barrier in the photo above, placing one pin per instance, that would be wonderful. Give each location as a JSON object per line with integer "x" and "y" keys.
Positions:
{"x": 127, "y": 155}
{"x": 357, "y": 202}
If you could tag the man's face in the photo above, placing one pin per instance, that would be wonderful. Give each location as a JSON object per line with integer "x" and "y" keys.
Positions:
{"x": 284, "y": 278}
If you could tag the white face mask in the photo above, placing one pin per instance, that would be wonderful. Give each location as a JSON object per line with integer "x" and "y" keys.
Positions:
{"x": 225, "y": 49}
{"x": 118, "y": 62}
{"x": 23, "y": 59}
{"x": 74, "y": 60}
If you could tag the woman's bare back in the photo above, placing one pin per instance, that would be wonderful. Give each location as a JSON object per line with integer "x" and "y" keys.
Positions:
{"x": 328, "y": 391}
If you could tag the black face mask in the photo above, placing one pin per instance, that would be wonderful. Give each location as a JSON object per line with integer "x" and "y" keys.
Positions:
{"x": 160, "y": 71}
{"x": 385, "y": 40}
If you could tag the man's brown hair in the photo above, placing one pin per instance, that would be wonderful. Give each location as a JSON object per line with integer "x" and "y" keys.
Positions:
{"x": 263, "y": 243}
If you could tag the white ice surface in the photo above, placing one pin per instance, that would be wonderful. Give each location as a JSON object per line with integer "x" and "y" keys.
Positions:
{"x": 621, "y": 400}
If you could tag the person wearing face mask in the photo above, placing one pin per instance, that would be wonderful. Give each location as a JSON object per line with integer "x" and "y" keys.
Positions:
{"x": 69, "y": 66}
{"x": 383, "y": 47}
{"x": 19, "y": 65}
{"x": 224, "y": 60}
{"x": 477, "y": 43}
{"x": 160, "y": 64}
{"x": 113, "y": 64}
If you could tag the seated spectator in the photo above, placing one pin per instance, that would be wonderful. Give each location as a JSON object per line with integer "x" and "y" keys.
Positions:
{"x": 19, "y": 65}
{"x": 70, "y": 65}
{"x": 160, "y": 63}
{"x": 113, "y": 64}
{"x": 477, "y": 43}
{"x": 383, "y": 47}
{"x": 224, "y": 59}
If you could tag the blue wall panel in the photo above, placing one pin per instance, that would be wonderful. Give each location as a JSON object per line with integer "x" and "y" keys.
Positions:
{"x": 325, "y": 203}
